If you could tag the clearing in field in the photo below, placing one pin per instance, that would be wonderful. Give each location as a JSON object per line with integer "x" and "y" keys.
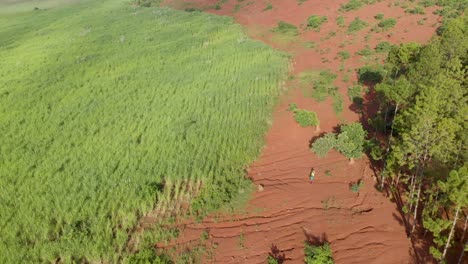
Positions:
{"x": 108, "y": 111}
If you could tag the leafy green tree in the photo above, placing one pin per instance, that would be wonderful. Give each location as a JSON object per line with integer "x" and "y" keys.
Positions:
{"x": 350, "y": 142}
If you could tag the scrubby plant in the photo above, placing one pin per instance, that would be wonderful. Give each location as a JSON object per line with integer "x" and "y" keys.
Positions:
{"x": 306, "y": 118}
{"x": 320, "y": 254}
{"x": 365, "y": 52}
{"x": 286, "y": 29}
{"x": 383, "y": 47}
{"x": 387, "y": 23}
{"x": 417, "y": 10}
{"x": 269, "y": 6}
{"x": 315, "y": 22}
{"x": 351, "y": 5}
{"x": 344, "y": 55}
{"x": 354, "y": 94}
{"x": 340, "y": 21}
{"x": 379, "y": 16}
{"x": 148, "y": 256}
{"x": 356, "y": 25}
{"x": 356, "y": 186}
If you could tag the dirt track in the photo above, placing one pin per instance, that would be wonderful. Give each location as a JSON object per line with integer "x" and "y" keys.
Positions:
{"x": 362, "y": 228}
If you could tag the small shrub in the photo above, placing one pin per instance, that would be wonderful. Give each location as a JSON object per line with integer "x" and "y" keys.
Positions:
{"x": 286, "y": 28}
{"x": 379, "y": 16}
{"x": 321, "y": 254}
{"x": 344, "y": 55}
{"x": 268, "y": 7}
{"x": 292, "y": 107}
{"x": 351, "y": 5}
{"x": 356, "y": 25}
{"x": 356, "y": 187}
{"x": 272, "y": 260}
{"x": 300, "y": 2}
{"x": 340, "y": 21}
{"x": 306, "y": 118}
{"x": 315, "y": 22}
{"x": 416, "y": 10}
{"x": 310, "y": 44}
{"x": 383, "y": 47}
{"x": 354, "y": 94}
{"x": 387, "y": 23}
{"x": 364, "y": 52}
{"x": 328, "y": 173}
{"x": 337, "y": 103}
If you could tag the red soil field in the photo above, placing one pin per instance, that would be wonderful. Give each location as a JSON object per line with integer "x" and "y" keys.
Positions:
{"x": 363, "y": 227}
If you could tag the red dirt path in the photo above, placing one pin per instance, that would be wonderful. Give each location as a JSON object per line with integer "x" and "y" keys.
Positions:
{"x": 361, "y": 228}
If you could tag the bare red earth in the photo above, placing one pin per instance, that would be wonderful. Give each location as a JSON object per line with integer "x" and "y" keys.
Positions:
{"x": 362, "y": 227}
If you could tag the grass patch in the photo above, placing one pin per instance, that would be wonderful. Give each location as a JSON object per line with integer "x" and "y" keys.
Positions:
{"x": 104, "y": 129}
{"x": 356, "y": 25}
{"x": 286, "y": 29}
{"x": 387, "y": 23}
{"x": 417, "y": 10}
{"x": 340, "y": 21}
{"x": 383, "y": 47}
{"x": 310, "y": 44}
{"x": 365, "y": 52}
{"x": 379, "y": 16}
{"x": 318, "y": 254}
{"x": 315, "y": 22}
{"x": 344, "y": 55}
{"x": 356, "y": 186}
{"x": 269, "y": 6}
{"x": 322, "y": 83}
{"x": 351, "y": 5}
{"x": 306, "y": 118}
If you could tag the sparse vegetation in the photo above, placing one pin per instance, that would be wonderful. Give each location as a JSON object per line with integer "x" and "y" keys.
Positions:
{"x": 365, "y": 52}
{"x": 383, "y": 47}
{"x": 269, "y": 6}
{"x": 355, "y": 94}
{"x": 417, "y": 10}
{"x": 344, "y": 55}
{"x": 356, "y": 25}
{"x": 315, "y": 22}
{"x": 321, "y": 82}
{"x": 379, "y": 16}
{"x": 340, "y": 21}
{"x": 387, "y": 23}
{"x": 351, "y": 5}
{"x": 286, "y": 29}
{"x": 357, "y": 186}
{"x": 320, "y": 254}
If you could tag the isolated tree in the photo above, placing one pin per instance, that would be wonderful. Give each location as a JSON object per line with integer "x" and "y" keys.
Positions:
{"x": 350, "y": 142}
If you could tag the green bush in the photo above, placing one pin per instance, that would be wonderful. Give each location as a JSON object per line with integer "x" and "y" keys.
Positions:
{"x": 286, "y": 29}
{"x": 416, "y": 10}
{"x": 351, "y": 5}
{"x": 356, "y": 187}
{"x": 318, "y": 254}
{"x": 315, "y": 22}
{"x": 356, "y": 25}
{"x": 306, "y": 118}
{"x": 344, "y": 54}
{"x": 340, "y": 21}
{"x": 350, "y": 141}
{"x": 268, "y": 7}
{"x": 383, "y": 47}
{"x": 355, "y": 94}
{"x": 337, "y": 103}
{"x": 387, "y": 23}
{"x": 379, "y": 16}
{"x": 365, "y": 52}
{"x": 272, "y": 260}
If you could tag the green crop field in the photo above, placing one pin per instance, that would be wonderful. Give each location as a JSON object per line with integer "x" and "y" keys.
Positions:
{"x": 104, "y": 105}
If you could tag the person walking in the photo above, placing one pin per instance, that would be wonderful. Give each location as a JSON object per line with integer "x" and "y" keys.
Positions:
{"x": 312, "y": 175}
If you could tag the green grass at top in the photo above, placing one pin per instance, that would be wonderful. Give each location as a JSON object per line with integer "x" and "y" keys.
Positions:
{"x": 101, "y": 103}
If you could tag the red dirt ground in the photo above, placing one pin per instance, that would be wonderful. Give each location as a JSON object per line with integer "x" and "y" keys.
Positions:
{"x": 362, "y": 227}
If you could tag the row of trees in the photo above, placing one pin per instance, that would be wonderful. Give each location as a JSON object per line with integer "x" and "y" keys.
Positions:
{"x": 424, "y": 111}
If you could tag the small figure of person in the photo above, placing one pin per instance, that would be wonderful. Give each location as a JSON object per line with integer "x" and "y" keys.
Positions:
{"x": 312, "y": 175}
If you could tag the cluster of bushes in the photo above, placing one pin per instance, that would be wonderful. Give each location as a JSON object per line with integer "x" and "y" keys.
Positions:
{"x": 286, "y": 29}
{"x": 356, "y": 25}
{"x": 350, "y": 142}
